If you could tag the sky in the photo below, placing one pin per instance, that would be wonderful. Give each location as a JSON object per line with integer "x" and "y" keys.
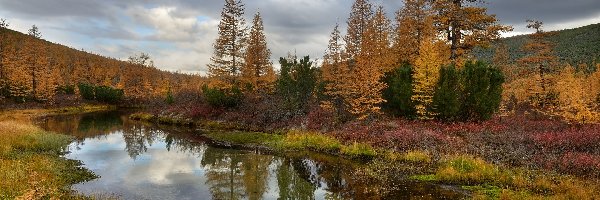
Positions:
{"x": 178, "y": 34}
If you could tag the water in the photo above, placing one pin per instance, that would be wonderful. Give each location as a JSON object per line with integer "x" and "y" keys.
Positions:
{"x": 138, "y": 160}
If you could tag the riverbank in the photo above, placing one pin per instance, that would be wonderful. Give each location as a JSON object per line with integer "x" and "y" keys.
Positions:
{"x": 32, "y": 165}
{"x": 425, "y": 155}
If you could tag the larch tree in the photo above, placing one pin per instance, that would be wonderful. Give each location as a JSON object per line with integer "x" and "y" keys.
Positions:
{"x": 228, "y": 57}
{"x": 409, "y": 30}
{"x": 574, "y": 103}
{"x": 258, "y": 69}
{"x": 334, "y": 72}
{"x": 359, "y": 19}
{"x": 364, "y": 87}
{"x": 427, "y": 72}
{"x": 540, "y": 59}
{"x": 34, "y": 32}
{"x": 4, "y": 23}
{"x": 466, "y": 25}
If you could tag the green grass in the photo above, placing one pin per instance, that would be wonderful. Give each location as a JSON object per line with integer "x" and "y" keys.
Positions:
{"x": 300, "y": 140}
{"x": 417, "y": 157}
{"x": 142, "y": 116}
{"x": 246, "y": 138}
{"x": 31, "y": 166}
{"x": 488, "y": 181}
{"x": 359, "y": 150}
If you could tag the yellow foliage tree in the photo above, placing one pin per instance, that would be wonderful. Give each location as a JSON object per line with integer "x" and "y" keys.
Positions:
{"x": 334, "y": 72}
{"x": 426, "y": 73}
{"x": 363, "y": 87}
{"x": 540, "y": 60}
{"x": 409, "y": 31}
{"x": 575, "y": 102}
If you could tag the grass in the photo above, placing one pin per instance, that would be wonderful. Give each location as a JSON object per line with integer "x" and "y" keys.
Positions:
{"x": 29, "y": 114}
{"x": 31, "y": 166}
{"x": 296, "y": 140}
{"x": 488, "y": 181}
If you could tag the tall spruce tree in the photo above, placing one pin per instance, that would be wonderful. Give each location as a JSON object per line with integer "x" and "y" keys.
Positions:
{"x": 229, "y": 48}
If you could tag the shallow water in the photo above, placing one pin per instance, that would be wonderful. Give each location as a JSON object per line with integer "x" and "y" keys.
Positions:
{"x": 138, "y": 160}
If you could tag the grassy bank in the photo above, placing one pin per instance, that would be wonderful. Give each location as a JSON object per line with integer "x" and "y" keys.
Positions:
{"x": 31, "y": 166}
{"x": 485, "y": 180}
{"x": 29, "y": 114}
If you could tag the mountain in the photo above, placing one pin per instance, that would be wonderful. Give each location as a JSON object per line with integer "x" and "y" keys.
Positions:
{"x": 573, "y": 46}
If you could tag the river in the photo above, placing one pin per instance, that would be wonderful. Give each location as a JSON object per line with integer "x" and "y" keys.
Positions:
{"x": 137, "y": 160}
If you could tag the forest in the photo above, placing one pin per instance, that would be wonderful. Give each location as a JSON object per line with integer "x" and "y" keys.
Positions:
{"x": 436, "y": 85}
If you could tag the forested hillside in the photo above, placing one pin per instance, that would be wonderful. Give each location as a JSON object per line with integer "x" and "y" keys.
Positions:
{"x": 32, "y": 69}
{"x": 573, "y": 46}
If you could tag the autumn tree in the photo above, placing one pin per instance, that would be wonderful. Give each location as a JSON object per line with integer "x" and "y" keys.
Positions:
{"x": 142, "y": 59}
{"x": 465, "y": 25}
{"x": 372, "y": 62}
{"x": 34, "y": 32}
{"x": 409, "y": 30}
{"x": 426, "y": 72}
{"x": 4, "y": 23}
{"x": 258, "y": 69}
{"x": 540, "y": 60}
{"x": 576, "y": 99}
{"x": 228, "y": 56}
{"x": 359, "y": 19}
{"x": 334, "y": 72}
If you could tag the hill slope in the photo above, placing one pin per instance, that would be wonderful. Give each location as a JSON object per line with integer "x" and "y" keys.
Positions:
{"x": 34, "y": 69}
{"x": 575, "y": 46}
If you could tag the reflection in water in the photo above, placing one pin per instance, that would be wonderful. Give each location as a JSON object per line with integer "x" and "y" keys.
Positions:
{"x": 142, "y": 161}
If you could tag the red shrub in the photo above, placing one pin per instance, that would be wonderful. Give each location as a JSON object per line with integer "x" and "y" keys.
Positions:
{"x": 580, "y": 163}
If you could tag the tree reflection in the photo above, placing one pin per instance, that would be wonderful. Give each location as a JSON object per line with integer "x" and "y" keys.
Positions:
{"x": 223, "y": 173}
{"x": 291, "y": 185}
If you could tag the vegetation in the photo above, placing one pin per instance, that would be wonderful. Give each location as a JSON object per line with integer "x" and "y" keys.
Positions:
{"x": 32, "y": 166}
{"x": 574, "y": 46}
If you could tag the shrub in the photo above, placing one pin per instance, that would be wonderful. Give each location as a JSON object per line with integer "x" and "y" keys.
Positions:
{"x": 482, "y": 90}
{"x": 66, "y": 89}
{"x": 296, "y": 84}
{"x": 108, "y": 94}
{"x": 227, "y": 98}
{"x": 86, "y": 91}
{"x": 399, "y": 92}
{"x": 100, "y": 93}
{"x": 446, "y": 99}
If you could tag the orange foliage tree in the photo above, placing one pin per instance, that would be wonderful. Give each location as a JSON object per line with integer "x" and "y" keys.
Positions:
{"x": 228, "y": 56}
{"x": 258, "y": 69}
{"x": 358, "y": 21}
{"x": 465, "y": 25}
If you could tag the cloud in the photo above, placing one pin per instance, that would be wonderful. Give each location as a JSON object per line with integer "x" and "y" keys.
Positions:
{"x": 179, "y": 34}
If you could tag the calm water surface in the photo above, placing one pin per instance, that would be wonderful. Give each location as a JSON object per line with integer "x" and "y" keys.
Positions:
{"x": 137, "y": 160}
